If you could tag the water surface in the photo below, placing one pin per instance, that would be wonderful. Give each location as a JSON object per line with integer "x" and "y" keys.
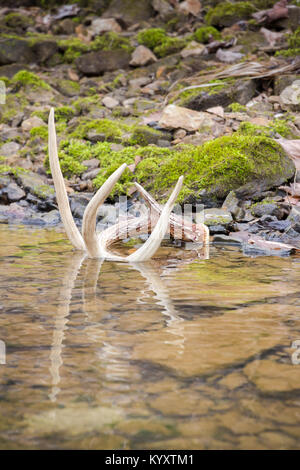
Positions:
{"x": 177, "y": 353}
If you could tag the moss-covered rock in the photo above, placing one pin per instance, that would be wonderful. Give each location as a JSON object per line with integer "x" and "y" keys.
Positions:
{"x": 227, "y": 13}
{"x": 217, "y": 93}
{"x": 204, "y": 34}
{"x": 30, "y": 79}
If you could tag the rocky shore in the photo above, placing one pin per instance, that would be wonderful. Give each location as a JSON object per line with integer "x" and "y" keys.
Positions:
{"x": 206, "y": 89}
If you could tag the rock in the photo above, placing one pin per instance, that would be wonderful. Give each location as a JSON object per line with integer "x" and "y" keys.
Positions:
{"x": 13, "y": 192}
{"x": 217, "y": 110}
{"x": 187, "y": 7}
{"x": 294, "y": 218}
{"x": 231, "y": 204}
{"x": 142, "y": 56}
{"x": 228, "y": 56}
{"x": 137, "y": 83}
{"x": 110, "y": 102}
{"x": 242, "y": 91}
{"x": 257, "y": 246}
{"x": 92, "y": 163}
{"x": 66, "y": 26}
{"x": 192, "y": 49}
{"x": 226, "y": 240}
{"x": 216, "y": 216}
{"x": 52, "y": 217}
{"x": 35, "y": 185}
{"x": 9, "y": 149}
{"x": 31, "y": 122}
{"x": 10, "y": 70}
{"x": 15, "y": 50}
{"x": 283, "y": 81}
{"x": 96, "y": 63}
{"x": 176, "y": 117}
{"x": 265, "y": 208}
{"x": 78, "y": 203}
{"x": 91, "y": 174}
{"x": 104, "y": 25}
{"x": 68, "y": 87}
{"x": 44, "y": 50}
{"x": 290, "y": 96}
{"x": 129, "y": 11}
{"x": 163, "y": 7}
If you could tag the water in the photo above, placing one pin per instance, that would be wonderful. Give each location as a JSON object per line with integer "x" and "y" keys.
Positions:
{"x": 178, "y": 353}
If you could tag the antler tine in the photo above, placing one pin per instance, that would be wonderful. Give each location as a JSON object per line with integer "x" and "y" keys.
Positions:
{"x": 61, "y": 193}
{"x": 148, "y": 249}
{"x": 93, "y": 245}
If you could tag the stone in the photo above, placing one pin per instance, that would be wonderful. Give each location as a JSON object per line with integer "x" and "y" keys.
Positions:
{"x": 44, "y": 50}
{"x": 52, "y": 217}
{"x": 187, "y": 7}
{"x": 91, "y": 174}
{"x": 294, "y": 218}
{"x": 32, "y": 122}
{"x": 110, "y": 102}
{"x": 129, "y": 11}
{"x": 136, "y": 83}
{"x": 192, "y": 49}
{"x": 92, "y": 163}
{"x": 9, "y": 149}
{"x": 142, "y": 56}
{"x": 15, "y": 50}
{"x": 36, "y": 185}
{"x": 241, "y": 92}
{"x": 226, "y": 240}
{"x": 216, "y": 216}
{"x": 104, "y": 25}
{"x": 290, "y": 96}
{"x": 265, "y": 208}
{"x": 163, "y": 7}
{"x": 13, "y": 192}
{"x": 11, "y": 69}
{"x": 96, "y": 63}
{"x": 66, "y": 26}
{"x": 177, "y": 117}
{"x": 228, "y": 56}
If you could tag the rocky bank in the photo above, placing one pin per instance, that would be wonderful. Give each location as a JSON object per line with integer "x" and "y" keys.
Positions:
{"x": 207, "y": 89}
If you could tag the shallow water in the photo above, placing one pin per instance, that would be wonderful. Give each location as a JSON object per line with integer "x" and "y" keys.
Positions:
{"x": 178, "y": 353}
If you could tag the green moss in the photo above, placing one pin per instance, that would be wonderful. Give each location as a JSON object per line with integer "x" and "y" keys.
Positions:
{"x": 40, "y": 131}
{"x": 111, "y": 41}
{"x": 213, "y": 87}
{"x": 72, "y": 48}
{"x": 26, "y": 78}
{"x": 13, "y": 105}
{"x": 279, "y": 126}
{"x": 16, "y": 20}
{"x": 7, "y": 169}
{"x": 145, "y": 135}
{"x": 64, "y": 113}
{"x": 220, "y": 165}
{"x": 170, "y": 46}
{"x": 152, "y": 37}
{"x": 83, "y": 105}
{"x": 204, "y": 34}
{"x": 237, "y": 108}
{"x": 293, "y": 41}
{"x": 5, "y": 80}
{"x": 226, "y": 13}
{"x": 288, "y": 52}
{"x": 111, "y": 130}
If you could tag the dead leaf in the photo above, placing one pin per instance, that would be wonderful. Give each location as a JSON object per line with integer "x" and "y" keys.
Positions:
{"x": 73, "y": 75}
{"x": 190, "y": 6}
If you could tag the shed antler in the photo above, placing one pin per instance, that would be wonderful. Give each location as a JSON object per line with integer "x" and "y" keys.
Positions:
{"x": 96, "y": 246}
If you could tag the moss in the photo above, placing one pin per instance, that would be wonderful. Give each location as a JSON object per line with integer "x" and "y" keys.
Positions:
{"x": 152, "y": 37}
{"x": 26, "y": 78}
{"x": 204, "y": 34}
{"x": 64, "y": 113}
{"x": 7, "y": 169}
{"x": 111, "y": 130}
{"x": 237, "y": 108}
{"x": 111, "y": 41}
{"x": 221, "y": 165}
{"x": 83, "y": 105}
{"x": 72, "y": 48}
{"x": 293, "y": 41}
{"x": 40, "y": 131}
{"x": 279, "y": 126}
{"x": 213, "y": 87}
{"x": 145, "y": 135}
{"x": 5, "y": 80}
{"x": 226, "y": 13}
{"x": 13, "y": 105}
{"x": 288, "y": 52}
{"x": 170, "y": 46}
{"x": 17, "y": 21}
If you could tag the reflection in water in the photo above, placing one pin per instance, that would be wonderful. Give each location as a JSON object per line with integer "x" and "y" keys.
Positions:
{"x": 177, "y": 353}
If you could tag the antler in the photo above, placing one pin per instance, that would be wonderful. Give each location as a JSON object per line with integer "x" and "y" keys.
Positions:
{"x": 97, "y": 246}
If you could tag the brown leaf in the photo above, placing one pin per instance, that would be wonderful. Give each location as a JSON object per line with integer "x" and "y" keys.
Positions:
{"x": 190, "y": 6}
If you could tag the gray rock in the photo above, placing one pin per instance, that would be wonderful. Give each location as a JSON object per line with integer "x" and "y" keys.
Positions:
{"x": 92, "y": 163}
{"x": 216, "y": 216}
{"x": 44, "y": 50}
{"x": 265, "y": 208}
{"x": 129, "y": 11}
{"x": 15, "y": 50}
{"x": 231, "y": 204}
{"x": 13, "y": 192}
{"x": 52, "y": 217}
{"x": 226, "y": 240}
{"x": 242, "y": 92}
{"x": 91, "y": 174}
{"x": 96, "y": 63}
{"x": 290, "y": 96}
{"x": 36, "y": 185}
{"x": 9, "y": 149}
